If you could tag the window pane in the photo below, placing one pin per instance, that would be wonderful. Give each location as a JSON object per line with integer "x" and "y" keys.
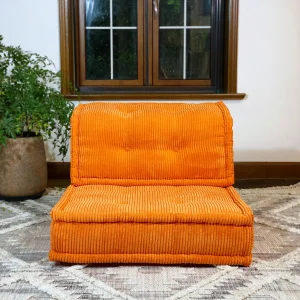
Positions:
{"x": 97, "y": 13}
{"x": 124, "y": 12}
{"x": 198, "y": 12}
{"x": 198, "y": 54}
{"x": 171, "y": 54}
{"x": 125, "y": 54}
{"x": 171, "y": 12}
{"x": 97, "y": 54}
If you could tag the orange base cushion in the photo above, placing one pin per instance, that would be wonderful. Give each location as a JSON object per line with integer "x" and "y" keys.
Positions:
{"x": 151, "y": 224}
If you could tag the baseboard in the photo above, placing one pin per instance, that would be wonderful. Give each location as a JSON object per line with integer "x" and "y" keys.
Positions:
{"x": 243, "y": 170}
{"x": 267, "y": 170}
{"x": 58, "y": 170}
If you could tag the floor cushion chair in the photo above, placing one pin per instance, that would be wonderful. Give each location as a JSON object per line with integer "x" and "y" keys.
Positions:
{"x": 152, "y": 183}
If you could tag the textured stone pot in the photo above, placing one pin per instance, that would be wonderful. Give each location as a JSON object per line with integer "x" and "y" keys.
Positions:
{"x": 23, "y": 169}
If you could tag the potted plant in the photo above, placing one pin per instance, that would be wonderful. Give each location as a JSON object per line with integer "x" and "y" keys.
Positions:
{"x": 32, "y": 110}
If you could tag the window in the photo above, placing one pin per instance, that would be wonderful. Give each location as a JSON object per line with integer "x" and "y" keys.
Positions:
{"x": 150, "y": 49}
{"x": 111, "y": 43}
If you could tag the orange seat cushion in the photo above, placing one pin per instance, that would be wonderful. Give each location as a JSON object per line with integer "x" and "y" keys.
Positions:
{"x": 161, "y": 224}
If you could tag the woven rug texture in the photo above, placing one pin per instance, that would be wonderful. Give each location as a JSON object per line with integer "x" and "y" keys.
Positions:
{"x": 26, "y": 273}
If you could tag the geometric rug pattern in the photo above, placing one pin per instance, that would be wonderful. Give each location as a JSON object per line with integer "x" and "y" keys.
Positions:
{"x": 27, "y": 274}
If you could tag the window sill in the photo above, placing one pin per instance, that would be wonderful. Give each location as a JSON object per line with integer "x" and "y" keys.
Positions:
{"x": 170, "y": 97}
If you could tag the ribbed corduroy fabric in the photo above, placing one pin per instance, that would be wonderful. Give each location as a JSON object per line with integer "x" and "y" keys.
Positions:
{"x": 152, "y": 204}
{"x": 152, "y": 144}
{"x": 151, "y": 183}
{"x": 201, "y": 221}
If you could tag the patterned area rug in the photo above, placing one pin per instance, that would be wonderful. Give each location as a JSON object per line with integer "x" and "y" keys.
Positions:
{"x": 26, "y": 272}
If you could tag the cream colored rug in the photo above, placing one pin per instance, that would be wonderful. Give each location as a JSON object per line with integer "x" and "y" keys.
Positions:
{"x": 26, "y": 273}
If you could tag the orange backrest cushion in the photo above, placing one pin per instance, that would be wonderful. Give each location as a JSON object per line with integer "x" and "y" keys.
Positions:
{"x": 152, "y": 144}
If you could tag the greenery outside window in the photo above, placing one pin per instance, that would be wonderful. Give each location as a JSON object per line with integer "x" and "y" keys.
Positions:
{"x": 150, "y": 49}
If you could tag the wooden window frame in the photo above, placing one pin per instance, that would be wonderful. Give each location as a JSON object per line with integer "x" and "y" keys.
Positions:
{"x": 67, "y": 51}
{"x": 112, "y": 82}
{"x": 171, "y": 83}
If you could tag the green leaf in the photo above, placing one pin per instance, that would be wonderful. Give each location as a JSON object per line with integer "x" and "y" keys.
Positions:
{"x": 30, "y": 98}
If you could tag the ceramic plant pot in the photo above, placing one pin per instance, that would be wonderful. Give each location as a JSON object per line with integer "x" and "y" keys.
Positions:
{"x": 23, "y": 169}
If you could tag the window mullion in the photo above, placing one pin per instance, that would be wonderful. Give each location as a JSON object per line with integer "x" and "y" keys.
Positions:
{"x": 111, "y": 42}
{"x": 184, "y": 39}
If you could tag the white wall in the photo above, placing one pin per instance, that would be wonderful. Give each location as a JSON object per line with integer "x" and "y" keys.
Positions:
{"x": 267, "y": 123}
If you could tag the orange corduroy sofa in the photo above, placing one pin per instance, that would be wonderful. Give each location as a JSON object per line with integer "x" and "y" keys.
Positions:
{"x": 152, "y": 183}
